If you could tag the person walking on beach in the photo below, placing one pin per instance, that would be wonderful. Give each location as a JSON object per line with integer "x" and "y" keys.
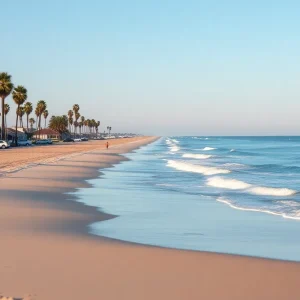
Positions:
{"x": 107, "y": 145}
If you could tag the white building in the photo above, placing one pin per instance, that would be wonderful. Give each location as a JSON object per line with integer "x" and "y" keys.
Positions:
{"x": 45, "y": 134}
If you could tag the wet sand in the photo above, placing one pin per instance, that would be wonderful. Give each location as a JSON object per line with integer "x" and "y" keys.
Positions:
{"x": 47, "y": 253}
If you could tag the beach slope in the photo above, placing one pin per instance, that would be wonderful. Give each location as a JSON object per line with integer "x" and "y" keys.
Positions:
{"x": 46, "y": 252}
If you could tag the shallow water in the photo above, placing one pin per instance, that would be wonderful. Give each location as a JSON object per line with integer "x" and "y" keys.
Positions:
{"x": 235, "y": 195}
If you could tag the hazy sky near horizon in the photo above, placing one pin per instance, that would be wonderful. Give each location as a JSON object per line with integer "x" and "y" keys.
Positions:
{"x": 164, "y": 67}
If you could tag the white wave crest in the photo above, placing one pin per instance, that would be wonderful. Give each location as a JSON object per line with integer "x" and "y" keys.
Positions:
{"x": 269, "y": 191}
{"x": 197, "y": 156}
{"x": 233, "y": 184}
{"x": 208, "y": 149}
{"x": 175, "y": 141}
{"x": 232, "y": 150}
{"x": 295, "y": 216}
{"x": 174, "y": 148}
{"x": 187, "y": 167}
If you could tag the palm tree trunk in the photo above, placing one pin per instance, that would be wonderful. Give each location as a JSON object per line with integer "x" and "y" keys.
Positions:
{"x": 27, "y": 121}
{"x": 45, "y": 122}
{"x": 2, "y": 116}
{"x": 40, "y": 127}
{"x": 16, "y": 134}
{"x": 5, "y": 125}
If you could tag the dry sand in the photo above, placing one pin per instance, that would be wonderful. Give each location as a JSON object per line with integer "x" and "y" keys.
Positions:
{"x": 46, "y": 252}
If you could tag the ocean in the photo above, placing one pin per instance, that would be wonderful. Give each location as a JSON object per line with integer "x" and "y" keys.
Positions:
{"x": 237, "y": 195}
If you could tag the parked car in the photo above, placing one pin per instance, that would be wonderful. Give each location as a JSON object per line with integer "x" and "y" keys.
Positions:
{"x": 77, "y": 140}
{"x": 84, "y": 139}
{"x": 24, "y": 143}
{"x": 68, "y": 140}
{"x": 44, "y": 142}
{"x": 4, "y": 144}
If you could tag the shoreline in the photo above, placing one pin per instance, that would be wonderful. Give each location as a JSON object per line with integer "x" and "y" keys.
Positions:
{"x": 37, "y": 214}
{"x": 63, "y": 198}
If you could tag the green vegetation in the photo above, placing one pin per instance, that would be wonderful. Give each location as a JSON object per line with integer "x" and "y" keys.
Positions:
{"x": 63, "y": 124}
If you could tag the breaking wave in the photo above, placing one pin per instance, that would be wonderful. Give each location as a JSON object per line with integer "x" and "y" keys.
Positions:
{"x": 292, "y": 215}
{"x": 233, "y": 184}
{"x": 188, "y": 167}
{"x": 174, "y": 148}
{"x": 197, "y": 156}
{"x": 208, "y": 149}
{"x": 175, "y": 141}
{"x": 269, "y": 191}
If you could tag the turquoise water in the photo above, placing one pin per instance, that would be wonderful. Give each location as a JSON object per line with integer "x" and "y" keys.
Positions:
{"x": 236, "y": 195}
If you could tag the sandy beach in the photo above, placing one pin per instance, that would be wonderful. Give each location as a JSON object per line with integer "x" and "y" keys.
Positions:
{"x": 47, "y": 252}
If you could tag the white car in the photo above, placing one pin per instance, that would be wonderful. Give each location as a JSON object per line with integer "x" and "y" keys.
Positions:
{"x": 3, "y": 144}
{"x": 77, "y": 140}
{"x": 24, "y": 143}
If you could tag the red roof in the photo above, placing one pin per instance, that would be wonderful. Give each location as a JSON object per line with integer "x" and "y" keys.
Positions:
{"x": 45, "y": 131}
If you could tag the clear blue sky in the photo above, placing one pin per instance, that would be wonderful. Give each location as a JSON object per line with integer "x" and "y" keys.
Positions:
{"x": 160, "y": 67}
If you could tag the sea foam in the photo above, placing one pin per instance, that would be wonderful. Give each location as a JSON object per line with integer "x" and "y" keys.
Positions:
{"x": 233, "y": 184}
{"x": 196, "y": 156}
{"x": 174, "y": 148}
{"x": 187, "y": 167}
{"x": 175, "y": 141}
{"x": 269, "y": 191}
{"x": 294, "y": 216}
{"x": 208, "y": 149}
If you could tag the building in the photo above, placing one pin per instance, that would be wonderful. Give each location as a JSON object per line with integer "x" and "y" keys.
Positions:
{"x": 11, "y": 133}
{"x": 45, "y": 134}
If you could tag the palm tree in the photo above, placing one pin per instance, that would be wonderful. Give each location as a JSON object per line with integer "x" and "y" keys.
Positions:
{"x": 6, "y": 111}
{"x": 37, "y": 113}
{"x": 20, "y": 112}
{"x": 82, "y": 118}
{"x": 88, "y": 123}
{"x": 6, "y": 88}
{"x": 108, "y": 129}
{"x": 85, "y": 123}
{"x": 46, "y": 114}
{"x": 80, "y": 126}
{"x": 76, "y": 108}
{"x": 97, "y": 126}
{"x": 70, "y": 115}
{"x": 19, "y": 95}
{"x": 59, "y": 124}
{"x": 75, "y": 125}
{"x": 28, "y": 110}
{"x": 70, "y": 124}
{"x": 77, "y": 116}
{"x": 40, "y": 107}
{"x": 31, "y": 121}
{"x": 93, "y": 123}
